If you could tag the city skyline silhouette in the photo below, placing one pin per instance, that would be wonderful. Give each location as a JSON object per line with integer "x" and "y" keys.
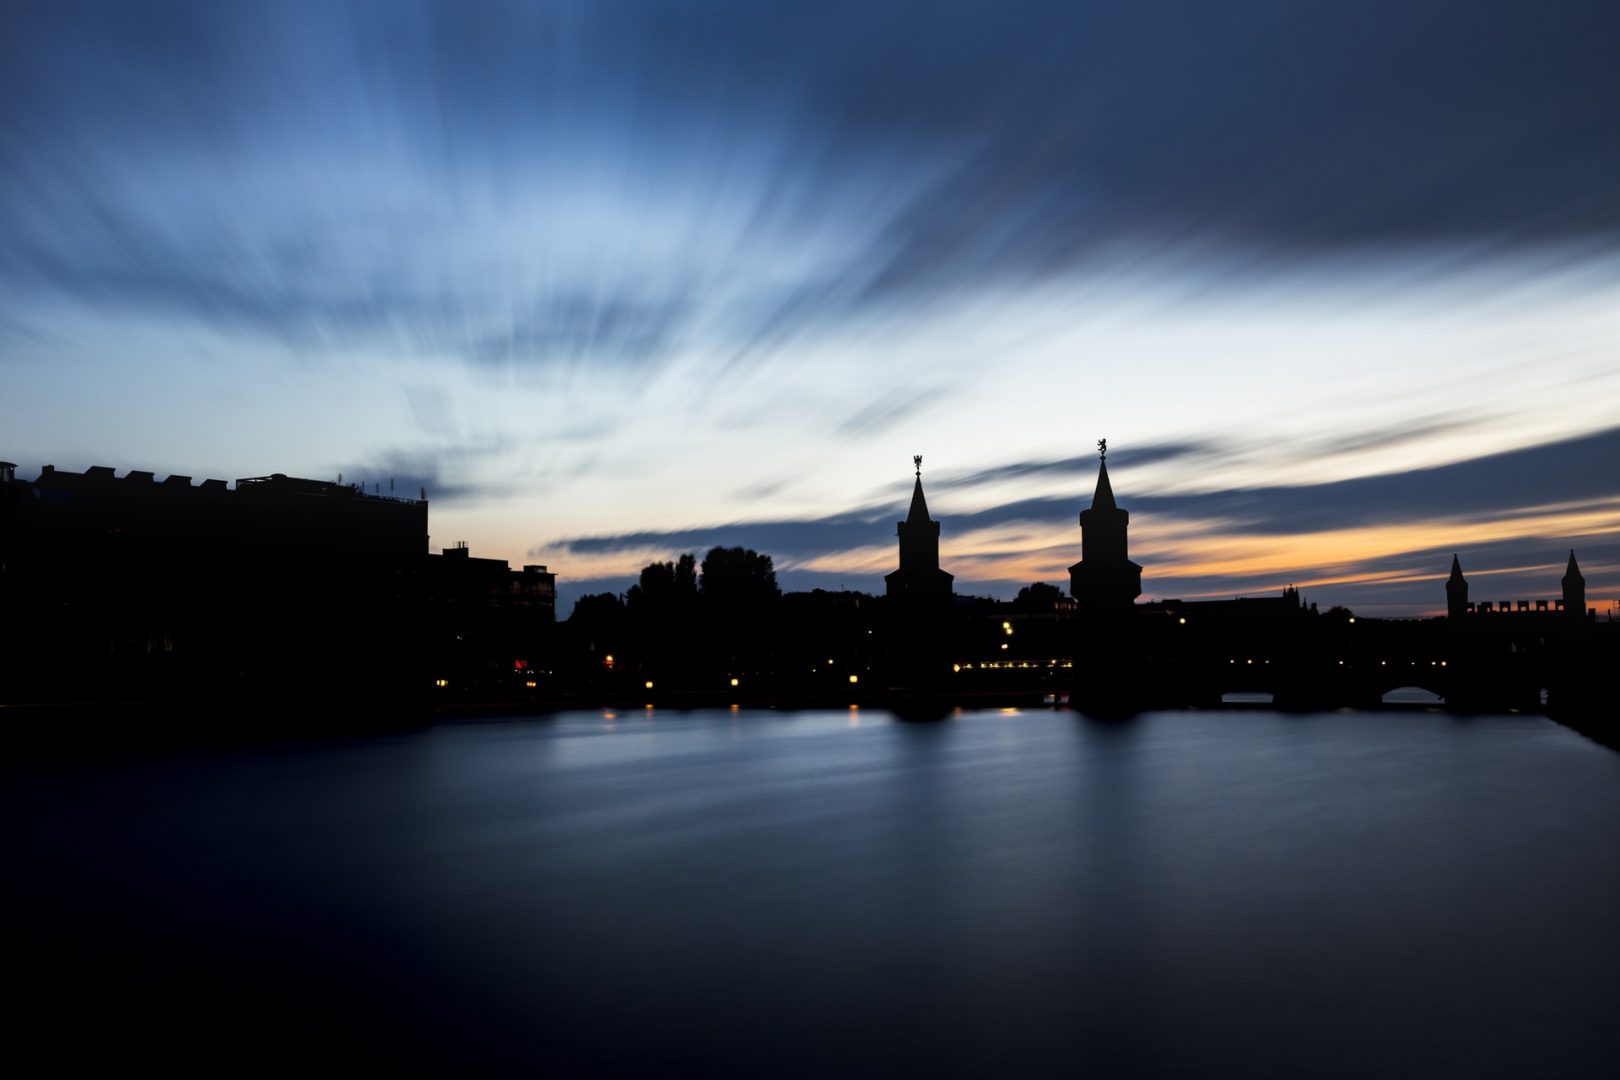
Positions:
{"x": 811, "y": 539}
{"x": 282, "y": 589}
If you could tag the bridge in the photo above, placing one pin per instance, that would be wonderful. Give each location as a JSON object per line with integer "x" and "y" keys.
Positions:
{"x": 1309, "y": 661}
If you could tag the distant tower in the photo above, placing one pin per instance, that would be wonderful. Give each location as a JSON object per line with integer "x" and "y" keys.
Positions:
{"x": 1104, "y": 579}
{"x": 1574, "y": 589}
{"x": 1456, "y": 591}
{"x": 919, "y": 580}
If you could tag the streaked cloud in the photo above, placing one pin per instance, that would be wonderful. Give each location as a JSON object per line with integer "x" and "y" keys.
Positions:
{"x": 1310, "y": 268}
{"x": 1364, "y": 535}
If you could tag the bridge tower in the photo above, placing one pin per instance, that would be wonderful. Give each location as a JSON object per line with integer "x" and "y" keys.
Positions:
{"x": 1574, "y": 589}
{"x": 919, "y": 580}
{"x": 1456, "y": 591}
{"x": 1104, "y": 580}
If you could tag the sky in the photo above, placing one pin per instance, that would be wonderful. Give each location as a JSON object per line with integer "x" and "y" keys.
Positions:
{"x": 1339, "y": 283}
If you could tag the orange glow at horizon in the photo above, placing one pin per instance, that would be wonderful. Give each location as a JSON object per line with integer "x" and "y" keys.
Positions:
{"x": 1212, "y": 549}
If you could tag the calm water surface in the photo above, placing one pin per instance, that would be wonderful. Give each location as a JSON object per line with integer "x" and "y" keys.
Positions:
{"x": 834, "y": 893}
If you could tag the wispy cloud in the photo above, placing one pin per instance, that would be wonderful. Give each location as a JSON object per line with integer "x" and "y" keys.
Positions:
{"x": 302, "y": 172}
{"x": 1573, "y": 471}
{"x": 1071, "y": 467}
{"x": 1371, "y": 532}
{"x": 444, "y": 473}
{"x": 689, "y": 229}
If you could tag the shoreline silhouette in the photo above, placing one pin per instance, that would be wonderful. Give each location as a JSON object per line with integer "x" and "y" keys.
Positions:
{"x": 126, "y": 592}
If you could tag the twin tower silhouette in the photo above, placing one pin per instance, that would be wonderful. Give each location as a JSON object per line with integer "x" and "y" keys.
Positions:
{"x": 1105, "y": 580}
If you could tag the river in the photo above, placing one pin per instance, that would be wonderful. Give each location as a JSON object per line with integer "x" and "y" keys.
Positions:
{"x": 831, "y": 893}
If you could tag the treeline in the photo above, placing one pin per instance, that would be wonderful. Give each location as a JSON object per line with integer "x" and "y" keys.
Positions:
{"x": 696, "y": 625}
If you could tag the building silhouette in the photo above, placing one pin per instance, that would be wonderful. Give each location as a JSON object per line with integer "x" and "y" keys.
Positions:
{"x": 279, "y": 587}
{"x": 919, "y": 581}
{"x": 1571, "y": 602}
{"x": 488, "y": 628}
{"x": 1104, "y": 581}
{"x": 127, "y": 588}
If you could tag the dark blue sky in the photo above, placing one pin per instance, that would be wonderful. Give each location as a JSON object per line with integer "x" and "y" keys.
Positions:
{"x": 645, "y": 271}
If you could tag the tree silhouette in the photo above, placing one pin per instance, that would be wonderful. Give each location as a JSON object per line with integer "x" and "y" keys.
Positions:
{"x": 662, "y": 607}
{"x": 665, "y": 587}
{"x": 739, "y": 599}
{"x": 1038, "y": 597}
{"x": 737, "y": 577}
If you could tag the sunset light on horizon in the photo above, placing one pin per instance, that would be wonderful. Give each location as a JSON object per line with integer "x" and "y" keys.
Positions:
{"x": 1340, "y": 285}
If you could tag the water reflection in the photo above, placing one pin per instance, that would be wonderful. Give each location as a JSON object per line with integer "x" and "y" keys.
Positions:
{"x": 725, "y": 893}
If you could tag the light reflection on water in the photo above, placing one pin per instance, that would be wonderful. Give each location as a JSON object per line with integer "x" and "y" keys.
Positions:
{"x": 1227, "y": 893}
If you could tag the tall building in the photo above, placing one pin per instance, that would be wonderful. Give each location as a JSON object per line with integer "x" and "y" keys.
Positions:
{"x": 128, "y": 587}
{"x": 919, "y": 580}
{"x": 1574, "y": 589}
{"x": 1104, "y": 580}
{"x": 1456, "y": 591}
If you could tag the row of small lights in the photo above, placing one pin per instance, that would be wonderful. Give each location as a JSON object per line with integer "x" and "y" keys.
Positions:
{"x": 992, "y": 665}
{"x": 853, "y": 679}
{"x": 989, "y": 664}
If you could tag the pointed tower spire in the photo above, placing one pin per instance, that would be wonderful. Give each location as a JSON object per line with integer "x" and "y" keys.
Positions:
{"x": 1456, "y": 591}
{"x": 919, "y": 505}
{"x": 1103, "y": 497}
{"x": 1574, "y": 589}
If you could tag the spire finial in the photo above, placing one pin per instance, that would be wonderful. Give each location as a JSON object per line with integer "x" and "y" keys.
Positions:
{"x": 916, "y": 459}
{"x": 1102, "y": 448}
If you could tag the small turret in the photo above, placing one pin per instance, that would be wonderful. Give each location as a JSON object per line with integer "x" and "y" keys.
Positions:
{"x": 1574, "y": 589}
{"x": 1456, "y": 591}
